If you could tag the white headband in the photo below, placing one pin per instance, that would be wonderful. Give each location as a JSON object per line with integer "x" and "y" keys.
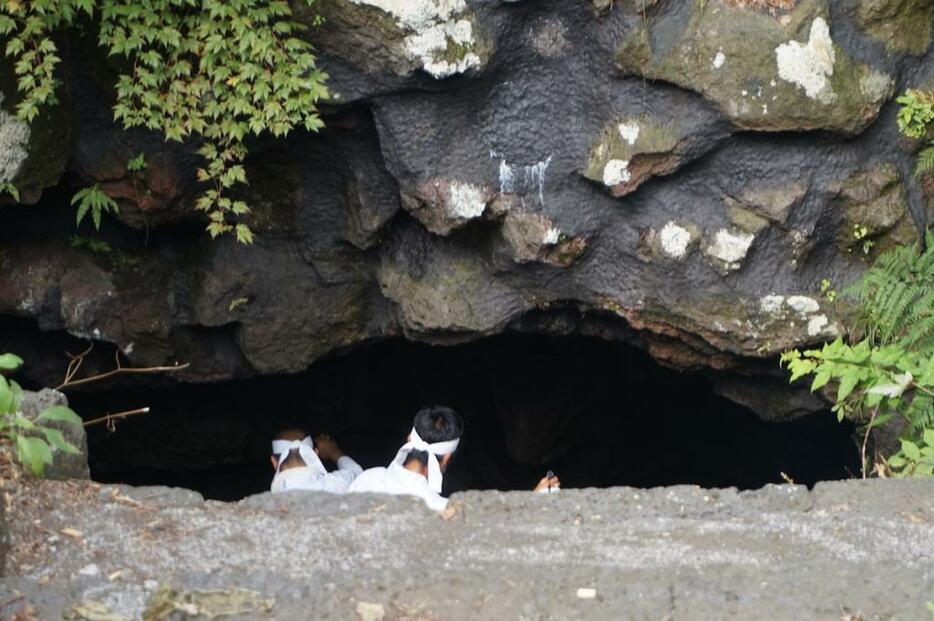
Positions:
{"x": 415, "y": 443}
{"x": 306, "y": 450}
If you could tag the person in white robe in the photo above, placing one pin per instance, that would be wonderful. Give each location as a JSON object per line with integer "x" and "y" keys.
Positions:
{"x": 297, "y": 461}
{"x": 419, "y": 466}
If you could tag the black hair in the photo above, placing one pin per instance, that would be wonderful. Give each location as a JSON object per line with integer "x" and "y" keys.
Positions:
{"x": 436, "y": 423}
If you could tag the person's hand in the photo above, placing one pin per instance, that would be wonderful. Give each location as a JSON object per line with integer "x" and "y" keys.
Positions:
{"x": 327, "y": 448}
{"x": 547, "y": 483}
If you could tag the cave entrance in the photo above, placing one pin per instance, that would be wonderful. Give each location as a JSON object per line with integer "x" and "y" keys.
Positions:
{"x": 598, "y": 413}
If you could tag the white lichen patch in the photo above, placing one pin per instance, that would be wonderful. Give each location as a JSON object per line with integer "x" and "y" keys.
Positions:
{"x": 431, "y": 46}
{"x": 817, "y": 324}
{"x": 440, "y": 41}
{"x": 14, "y": 144}
{"x": 629, "y": 132}
{"x": 731, "y": 247}
{"x": 674, "y": 240}
{"x": 551, "y": 236}
{"x": 772, "y": 304}
{"x": 809, "y": 65}
{"x": 718, "y": 60}
{"x": 803, "y": 304}
{"x": 616, "y": 172}
{"x": 465, "y": 201}
{"x": 418, "y": 14}
{"x": 875, "y": 85}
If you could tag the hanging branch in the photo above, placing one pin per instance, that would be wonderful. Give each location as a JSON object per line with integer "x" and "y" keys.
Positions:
{"x": 111, "y": 418}
{"x": 76, "y": 361}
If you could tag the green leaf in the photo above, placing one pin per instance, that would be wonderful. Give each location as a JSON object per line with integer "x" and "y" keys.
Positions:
{"x": 58, "y": 442}
{"x": 847, "y": 384}
{"x": 821, "y": 379}
{"x": 60, "y": 413}
{"x": 34, "y": 453}
{"x": 17, "y": 396}
{"x": 911, "y": 450}
{"x": 10, "y": 362}
{"x": 6, "y": 396}
{"x": 929, "y": 437}
{"x": 880, "y": 420}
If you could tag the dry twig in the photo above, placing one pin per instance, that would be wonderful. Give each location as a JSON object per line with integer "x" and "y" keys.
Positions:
{"x": 110, "y": 418}
{"x": 78, "y": 359}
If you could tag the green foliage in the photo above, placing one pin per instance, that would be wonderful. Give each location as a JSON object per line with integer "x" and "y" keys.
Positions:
{"x": 93, "y": 199}
{"x": 216, "y": 70}
{"x": 896, "y": 296}
{"x": 9, "y": 188}
{"x": 916, "y": 113}
{"x": 890, "y": 372}
{"x": 137, "y": 164}
{"x": 35, "y": 443}
{"x": 97, "y": 246}
{"x": 925, "y": 163}
{"x": 237, "y": 303}
{"x": 914, "y": 120}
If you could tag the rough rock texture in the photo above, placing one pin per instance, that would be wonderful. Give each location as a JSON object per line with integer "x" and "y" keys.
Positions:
{"x": 63, "y": 466}
{"x": 587, "y": 159}
{"x": 861, "y": 549}
{"x": 32, "y": 157}
{"x": 901, "y": 25}
{"x": 765, "y": 72}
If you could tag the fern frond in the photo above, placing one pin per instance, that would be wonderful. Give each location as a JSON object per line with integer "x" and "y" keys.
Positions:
{"x": 896, "y": 295}
{"x": 920, "y": 412}
{"x": 925, "y": 162}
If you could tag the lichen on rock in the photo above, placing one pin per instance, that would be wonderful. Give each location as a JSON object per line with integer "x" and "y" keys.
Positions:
{"x": 728, "y": 248}
{"x": 443, "y": 205}
{"x": 809, "y": 65}
{"x": 437, "y": 34}
{"x": 630, "y": 151}
{"x": 533, "y": 238}
{"x": 764, "y": 72}
{"x": 14, "y": 144}
{"x": 676, "y": 238}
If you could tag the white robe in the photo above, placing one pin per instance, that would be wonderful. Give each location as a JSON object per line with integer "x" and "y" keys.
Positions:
{"x": 305, "y": 478}
{"x": 398, "y": 481}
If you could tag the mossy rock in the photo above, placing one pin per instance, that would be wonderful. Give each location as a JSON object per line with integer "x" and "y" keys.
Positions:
{"x": 45, "y": 143}
{"x": 874, "y": 206}
{"x": 764, "y": 72}
{"x": 901, "y": 25}
{"x": 630, "y": 151}
{"x": 378, "y": 41}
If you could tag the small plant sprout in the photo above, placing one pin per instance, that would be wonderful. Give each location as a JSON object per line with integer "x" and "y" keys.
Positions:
{"x": 237, "y": 303}
{"x": 137, "y": 164}
{"x": 9, "y": 188}
{"x": 861, "y": 232}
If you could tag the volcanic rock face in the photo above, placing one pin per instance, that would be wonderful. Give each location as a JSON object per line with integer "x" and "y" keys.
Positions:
{"x": 484, "y": 161}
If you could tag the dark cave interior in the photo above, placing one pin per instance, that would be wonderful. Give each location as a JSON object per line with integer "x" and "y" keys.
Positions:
{"x": 597, "y": 413}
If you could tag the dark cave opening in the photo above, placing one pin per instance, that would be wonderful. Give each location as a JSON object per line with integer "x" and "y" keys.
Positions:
{"x": 598, "y": 413}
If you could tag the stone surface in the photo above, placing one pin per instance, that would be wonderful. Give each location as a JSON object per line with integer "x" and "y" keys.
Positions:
{"x": 32, "y": 155}
{"x": 901, "y": 25}
{"x": 446, "y": 209}
{"x": 64, "y": 465}
{"x": 766, "y": 70}
{"x": 874, "y": 204}
{"x": 858, "y": 548}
